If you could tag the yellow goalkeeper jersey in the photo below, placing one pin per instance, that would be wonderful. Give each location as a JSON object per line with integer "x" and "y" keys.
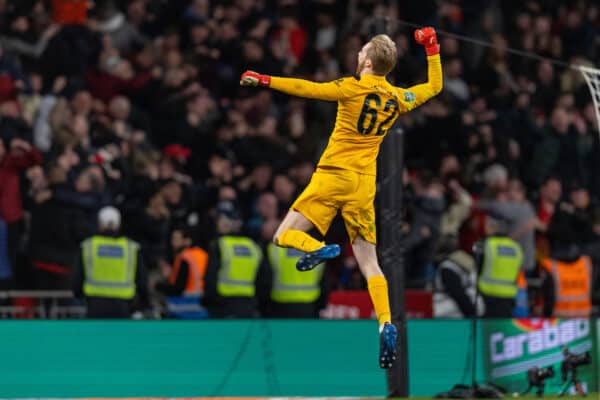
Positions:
{"x": 367, "y": 108}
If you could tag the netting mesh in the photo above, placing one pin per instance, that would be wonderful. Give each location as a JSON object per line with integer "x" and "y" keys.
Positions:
{"x": 592, "y": 78}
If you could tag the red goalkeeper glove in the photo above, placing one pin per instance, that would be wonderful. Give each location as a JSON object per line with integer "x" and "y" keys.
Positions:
{"x": 251, "y": 78}
{"x": 426, "y": 37}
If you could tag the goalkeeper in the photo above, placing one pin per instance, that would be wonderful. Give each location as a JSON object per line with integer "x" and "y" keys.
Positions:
{"x": 345, "y": 176}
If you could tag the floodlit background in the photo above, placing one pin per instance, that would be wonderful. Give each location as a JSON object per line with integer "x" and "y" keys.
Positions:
{"x": 136, "y": 104}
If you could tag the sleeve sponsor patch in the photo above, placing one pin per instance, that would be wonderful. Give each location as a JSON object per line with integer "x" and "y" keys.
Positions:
{"x": 409, "y": 97}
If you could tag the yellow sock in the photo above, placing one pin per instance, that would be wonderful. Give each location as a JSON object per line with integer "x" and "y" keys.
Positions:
{"x": 299, "y": 240}
{"x": 378, "y": 290}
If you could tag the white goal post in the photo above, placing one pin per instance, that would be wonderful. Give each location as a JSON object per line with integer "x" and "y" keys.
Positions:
{"x": 592, "y": 78}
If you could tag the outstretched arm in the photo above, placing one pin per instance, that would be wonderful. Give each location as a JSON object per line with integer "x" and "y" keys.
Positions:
{"x": 330, "y": 91}
{"x": 433, "y": 86}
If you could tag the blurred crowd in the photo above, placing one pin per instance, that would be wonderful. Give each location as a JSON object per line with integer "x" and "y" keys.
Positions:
{"x": 137, "y": 104}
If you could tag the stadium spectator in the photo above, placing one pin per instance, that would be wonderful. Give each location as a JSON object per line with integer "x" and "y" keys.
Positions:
{"x": 549, "y": 196}
{"x": 266, "y": 209}
{"x": 558, "y": 152}
{"x": 70, "y": 11}
{"x": 149, "y": 226}
{"x": 582, "y": 214}
{"x": 6, "y": 266}
{"x": 56, "y": 231}
{"x": 16, "y": 156}
{"x": 112, "y": 22}
{"x": 458, "y": 208}
{"x": 422, "y": 237}
{"x": 513, "y": 206}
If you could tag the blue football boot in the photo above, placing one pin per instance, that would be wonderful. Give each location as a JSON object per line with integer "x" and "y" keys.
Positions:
{"x": 310, "y": 260}
{"x": 387, "y": 345}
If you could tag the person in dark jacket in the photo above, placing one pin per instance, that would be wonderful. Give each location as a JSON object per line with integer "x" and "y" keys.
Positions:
{"x": 5, "y": 264}
{"x": 87, "y": 193}
{"x": 149, "y": 226}
{"x": 422, "y": 238}
{"x": 558, "y": 152}
{"x": 582, "y": 213}
{"x": 56, "y": 231}
{"x": 455, "y": 283}
{"x": 16, "y": 155}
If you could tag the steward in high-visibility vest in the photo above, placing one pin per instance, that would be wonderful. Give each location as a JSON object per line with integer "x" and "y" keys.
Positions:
{"x": 501, "y": 259}
{"x": 566, "y": 272}
{"x": 110, "y": 265}
{"x": 294, "y": 294}
{"x": 184, "y": 281}
{"x": 233, "y": 266}
{"x": 572, "y": 286}
{"x": 196, "y": 260}
{"x": 240, "y": 259}
{"x": 186, "y": 276}
{"x": 110, "y": 275}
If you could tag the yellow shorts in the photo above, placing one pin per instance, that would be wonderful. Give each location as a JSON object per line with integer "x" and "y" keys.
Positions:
{"x": 331, "y": 190}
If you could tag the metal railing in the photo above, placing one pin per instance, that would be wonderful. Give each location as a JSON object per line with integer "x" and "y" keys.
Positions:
{"x": 40, "y": 304}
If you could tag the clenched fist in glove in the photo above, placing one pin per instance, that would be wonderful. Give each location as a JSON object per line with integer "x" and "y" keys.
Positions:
{"x": 426, "y": 37}
{"x": 251, "y": 78}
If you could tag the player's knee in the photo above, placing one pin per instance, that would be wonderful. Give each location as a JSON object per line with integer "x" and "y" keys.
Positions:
{"x": 372, "y": 269}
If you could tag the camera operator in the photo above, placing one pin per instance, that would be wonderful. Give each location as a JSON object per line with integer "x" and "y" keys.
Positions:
{"x": 455, "y": 281}
{"x": 566, "y": 273}
{"x": 536, "y": 378}
{"x": 569, "y": 373}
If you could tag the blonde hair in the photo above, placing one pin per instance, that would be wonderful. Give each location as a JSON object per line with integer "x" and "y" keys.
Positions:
{"x": 383, "y": 54}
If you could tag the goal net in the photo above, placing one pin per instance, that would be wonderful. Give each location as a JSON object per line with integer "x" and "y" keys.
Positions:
{"x": 592, "y": 78}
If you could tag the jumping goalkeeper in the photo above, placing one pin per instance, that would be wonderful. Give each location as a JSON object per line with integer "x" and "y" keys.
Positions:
{"x": 345, "y": 177}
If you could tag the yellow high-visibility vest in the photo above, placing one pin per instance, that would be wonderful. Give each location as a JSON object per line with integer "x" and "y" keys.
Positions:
{"x": 240, "y": 259}
{"x": 109, "y": 267}
{"x": 289, "y": 284}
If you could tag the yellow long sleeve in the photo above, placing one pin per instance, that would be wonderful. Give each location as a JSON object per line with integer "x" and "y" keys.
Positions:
{"x": 434, "y": 84}
{"x": 331, "y": 91}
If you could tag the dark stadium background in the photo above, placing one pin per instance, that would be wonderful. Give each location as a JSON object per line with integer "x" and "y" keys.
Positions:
{"x": 137, "y": 104}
